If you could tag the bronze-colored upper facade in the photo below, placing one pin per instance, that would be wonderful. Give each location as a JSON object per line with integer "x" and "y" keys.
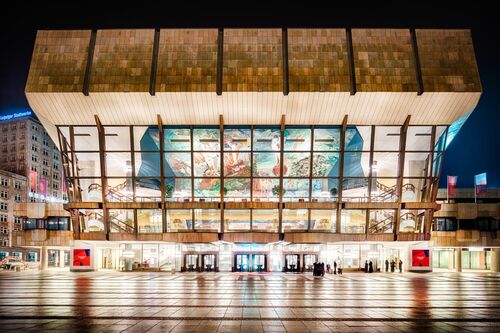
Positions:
{"x": 252, "y": 76}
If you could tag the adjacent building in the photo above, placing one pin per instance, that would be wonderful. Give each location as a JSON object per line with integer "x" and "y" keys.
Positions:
{"x": 252, "y": 149}
{"x": 12, "y": 190}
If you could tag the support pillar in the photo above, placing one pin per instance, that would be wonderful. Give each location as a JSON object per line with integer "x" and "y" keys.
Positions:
{"x": 44, "y": 258}
{"x": 495, "y": 260}
{"x": 458, "y": 259}
{"x": 61, "y": 258}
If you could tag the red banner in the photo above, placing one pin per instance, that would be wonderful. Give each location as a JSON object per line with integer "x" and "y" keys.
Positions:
{"x": 420, "y": 258}
{"x": 452, "y": 184}
{"x": 43, "y": 187}
{"x": 33, "y": 181}
{"x": 81, "y": 257}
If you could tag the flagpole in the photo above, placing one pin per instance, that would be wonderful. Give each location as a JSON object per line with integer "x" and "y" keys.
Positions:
{"x": 475, "y": 191}
{"x": 447, "y": 190}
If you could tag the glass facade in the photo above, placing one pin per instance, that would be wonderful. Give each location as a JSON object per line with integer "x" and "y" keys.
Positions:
{"x": 259, "y": 164}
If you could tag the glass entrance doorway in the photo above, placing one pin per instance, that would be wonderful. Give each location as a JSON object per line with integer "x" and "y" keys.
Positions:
{"x": 259, "y": 263}
{"x": 309, "y": 260}
{"x": 191, "y": 262}
{"x": 241, "y": 263}
{"x": 208, "y": 263}
{"x": 292, "y": 263}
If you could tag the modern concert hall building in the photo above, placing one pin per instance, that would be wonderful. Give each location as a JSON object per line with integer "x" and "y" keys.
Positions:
{"x": 252, "y": 149}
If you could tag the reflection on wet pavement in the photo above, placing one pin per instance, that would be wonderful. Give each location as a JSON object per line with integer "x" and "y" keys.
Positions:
{"x": 225, "y": 302}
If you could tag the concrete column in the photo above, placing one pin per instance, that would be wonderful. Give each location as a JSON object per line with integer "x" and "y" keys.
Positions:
{"x": 44, "y": 258}
{"x": 458, "y": 259}
{"x": 61, "y": 258}
{"x": 495, "y": 260}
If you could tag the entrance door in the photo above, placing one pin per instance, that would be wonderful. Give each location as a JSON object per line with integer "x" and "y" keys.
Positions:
{"x": 208, "y": 262}
{"x": 241, "y": 263}
{"x": 309, "y": 260}
{"x": 292, "y": 263}
{"x": 191, "y": 262}
{"x": 259, "y": 263}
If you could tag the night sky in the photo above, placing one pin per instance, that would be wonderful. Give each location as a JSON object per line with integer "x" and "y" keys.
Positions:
{"x": 477, "y": 147}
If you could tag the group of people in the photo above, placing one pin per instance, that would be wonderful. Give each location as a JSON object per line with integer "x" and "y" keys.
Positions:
{"x": 393, "y": 265}
{"x": 368, "y": 266}
{"x": 319, "y": 268}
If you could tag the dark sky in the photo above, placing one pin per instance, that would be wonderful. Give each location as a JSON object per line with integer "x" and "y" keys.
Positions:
{"x": 477, "y": 147}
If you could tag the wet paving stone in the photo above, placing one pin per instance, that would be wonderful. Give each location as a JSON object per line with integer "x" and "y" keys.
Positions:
{"x": 56, "y": 301}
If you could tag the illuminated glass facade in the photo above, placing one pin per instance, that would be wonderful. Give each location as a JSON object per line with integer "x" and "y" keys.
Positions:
{"x": 270, "y": 166}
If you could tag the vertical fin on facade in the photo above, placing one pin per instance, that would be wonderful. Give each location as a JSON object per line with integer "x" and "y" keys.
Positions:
{"x": 416, "y": 59}
{"x": 90, "y": 58}
{"x": 154, "y": 63}
{"x": 350, "y": 56}
{"x": 220, "y": 51}
{"x": 284, "y": 39}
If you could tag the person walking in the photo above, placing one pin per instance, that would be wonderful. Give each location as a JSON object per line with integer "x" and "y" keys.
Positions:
{"x": 328, "y": 269}
{"x": 315, "y": 269}
{"x": 386, "y": 265}
{"x": 334, "y": 267}
{"x": 322, "y": 269}
{"x": 366, "y": 266}
{"x": 339, "y": 268}
{"x": 370, "y": 267}
{"x": 393, "y": 265}
{"x": 400, "y": 266}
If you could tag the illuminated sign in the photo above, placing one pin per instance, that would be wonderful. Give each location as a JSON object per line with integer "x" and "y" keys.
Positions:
{"x": 15, "y": 115}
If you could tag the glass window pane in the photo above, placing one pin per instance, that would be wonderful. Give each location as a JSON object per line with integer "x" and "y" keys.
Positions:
{"x": 177, "y": 164}
{"x": 119, "y": 190}
{"x": 353, "y": 221}
{"x": 206, "y": 164}
{"x": 92, "y": 220}
{"x": 419, "y": 138}
{"x": 237, "y": 139}
{"x": 385, "y": 164}
{"x": 325, "y": 165}
{"x": 177, "y": 189}
{"x": 384, "y": 190}
{"x": 414, "y": 190}
{"x": 266, "y": 164}
{"x": 358, "y": 138}
{"x": 147, "y": 164}
{"x": 297, "y": 138}
{"x": 356, "y": 164}
{"x": 207, "y": 220}
{"x": 295, "y": 189}
{"x": 323, "y": 220}
{"x": 355, "y": 189}
{"x": 86, "y": 138}
{"x": 149, "y": 221}
{"x": 296, "y": 164}
{"x": 237, "y": 188}
{"x": 177, "y": 138}
{"x": 236, "y": 219}
{"x": 266, "y": 139}
{"x": 381, "y": 221}
{"x": 90, "y": 189}
{"x": 206, "y": 138}
{"x": 117, "y": 138}
{"x": 118, "y": 165}
{"x": 147, "y": 189}
{"x": 266, "y": 188}
{"x": 88, "y": 165}
{"x": 121, "y": 220}
{"x": 327, "y": 138}
{"x": 237, "y": 164}
{"x": 265, "y": 220}
{"x": 206, "y": 187}
{"x": 440, "y": 139}
{"x": 411, "y": 220}
{"x": 436, "y": 168}
{"x": 146, "y": 138}
{"x": 294, "y": 219}
{"x": 387, "y": 138}
{"x": 325, "y": 189}
{"x": 179, "y": 219}
{"x": 416, "y": 164}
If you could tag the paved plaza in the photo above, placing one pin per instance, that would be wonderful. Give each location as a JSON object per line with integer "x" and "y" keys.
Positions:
{"x": 57, "y": 301}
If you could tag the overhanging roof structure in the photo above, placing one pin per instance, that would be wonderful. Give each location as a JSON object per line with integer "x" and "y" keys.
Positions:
{"x": 252, "y": 76}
